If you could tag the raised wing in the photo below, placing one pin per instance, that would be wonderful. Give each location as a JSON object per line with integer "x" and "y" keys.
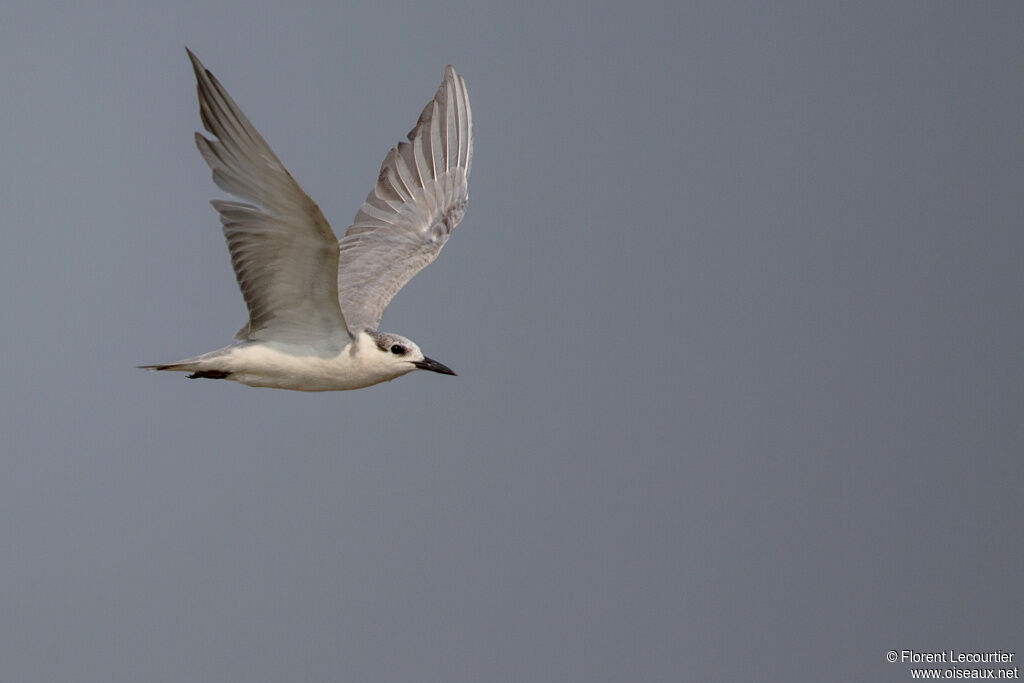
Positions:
{"x": 420, "y": 197}
{"x": 284, "y": 252}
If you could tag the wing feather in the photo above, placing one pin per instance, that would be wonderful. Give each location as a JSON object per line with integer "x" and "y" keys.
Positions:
{"x": 420, "y": 196}
{"x": 284, "y": 253}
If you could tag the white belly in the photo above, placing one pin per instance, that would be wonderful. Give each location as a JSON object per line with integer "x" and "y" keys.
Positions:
{"x": 259, "y": 365}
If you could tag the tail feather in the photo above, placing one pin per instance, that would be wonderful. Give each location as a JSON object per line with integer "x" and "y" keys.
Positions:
{"x": 180, "y": 367}
{"x": 208, "y": 365}
{"x": 189, "y": 367}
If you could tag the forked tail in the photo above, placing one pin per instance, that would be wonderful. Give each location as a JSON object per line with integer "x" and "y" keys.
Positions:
{"x": 181, "y": 367}
{"x": 186, "y": 366}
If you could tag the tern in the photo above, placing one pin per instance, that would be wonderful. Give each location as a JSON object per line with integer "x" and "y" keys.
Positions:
{"x": 315, "y": 303}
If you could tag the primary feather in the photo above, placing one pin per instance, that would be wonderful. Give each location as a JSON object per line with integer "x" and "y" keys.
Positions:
{"x": 283, "y": 250}
{"x": 420, "y": 196}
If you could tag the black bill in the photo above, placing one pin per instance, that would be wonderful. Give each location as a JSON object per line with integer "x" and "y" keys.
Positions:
{"x": 433, "y": 366}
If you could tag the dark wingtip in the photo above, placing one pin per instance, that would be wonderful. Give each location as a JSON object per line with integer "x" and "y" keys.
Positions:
{"x": 197, "y": 66}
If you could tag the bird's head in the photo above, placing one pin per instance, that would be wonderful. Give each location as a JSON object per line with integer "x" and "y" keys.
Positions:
{"x": 399, "y": 355}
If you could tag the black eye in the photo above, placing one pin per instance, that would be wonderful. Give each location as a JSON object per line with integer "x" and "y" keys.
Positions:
{"x": 398, "y": 350}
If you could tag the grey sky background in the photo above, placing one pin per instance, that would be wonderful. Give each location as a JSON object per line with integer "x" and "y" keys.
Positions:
{"x": 736, "y": 309}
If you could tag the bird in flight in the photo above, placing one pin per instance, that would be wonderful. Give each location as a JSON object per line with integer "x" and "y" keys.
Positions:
{"x": 315, "y": 303}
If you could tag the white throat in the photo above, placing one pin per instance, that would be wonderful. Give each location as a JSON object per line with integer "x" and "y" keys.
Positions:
{"x": 372, "y": 362}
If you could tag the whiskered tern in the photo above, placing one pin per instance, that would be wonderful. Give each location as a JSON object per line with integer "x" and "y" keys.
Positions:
{"x": 315, "y": 303}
